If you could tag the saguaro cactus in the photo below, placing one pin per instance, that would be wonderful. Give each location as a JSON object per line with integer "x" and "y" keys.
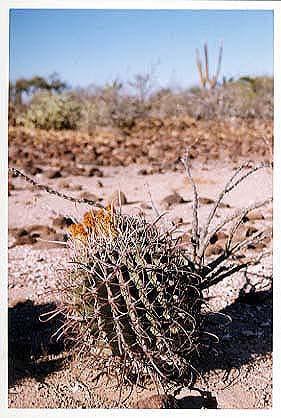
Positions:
{"x": 205, "y": 79}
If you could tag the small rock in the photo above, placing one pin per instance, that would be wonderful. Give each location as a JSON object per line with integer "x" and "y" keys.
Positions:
{"x": 90, "y": 196}
{"x": 205, "y": 200}
{"x": 203, "y": 400}
{"x": 42, "y": 231}
{"x": 35, "y": 170}
{"x": 64, "y": 184}
{"x": 117, "y": 198}
{"x": 75, "y": 187}
{"x": 224, "y": 205}
{"x": 157, "y": 402}
{"x": 24, "y": 240}
{"x": 143, "y": 172}
{"x": 172, "y": 199}
{"x": 215, "y": 249}
{"x": 53, "y": 173}
{"x": 220, "y": 235}
{"x": 253, "y": 216}
{"x": 62, "y": 222}
{"x": 177, "y": 220}
{"x": 146, "y": 171}
{"x": 93, "y": 171}
{"x": 209, "y": 201}
{"x": 70, "y": 186}
{"x": 21, "y": 232}
{"x": 29, "y": 235}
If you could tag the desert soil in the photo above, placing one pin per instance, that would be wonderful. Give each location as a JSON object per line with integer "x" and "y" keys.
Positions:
{"x": 235, "y": 373}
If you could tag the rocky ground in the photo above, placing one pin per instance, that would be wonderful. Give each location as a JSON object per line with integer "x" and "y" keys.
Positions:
{"x": 237, "y": 372}
{"x": 157, "y": 143}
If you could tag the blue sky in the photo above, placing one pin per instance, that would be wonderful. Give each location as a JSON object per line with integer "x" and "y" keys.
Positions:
{"x": 97, "y": 46}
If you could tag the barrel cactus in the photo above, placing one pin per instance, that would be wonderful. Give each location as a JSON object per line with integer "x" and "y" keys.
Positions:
{"x": 132, "y": 290}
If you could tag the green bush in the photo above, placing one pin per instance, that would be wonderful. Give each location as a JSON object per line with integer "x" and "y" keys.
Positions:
{"x": 53, "y": 111}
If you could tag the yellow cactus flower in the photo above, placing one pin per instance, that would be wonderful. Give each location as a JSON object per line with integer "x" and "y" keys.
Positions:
{"x": 94, "y": 222}
{"x": 78, "y": 231}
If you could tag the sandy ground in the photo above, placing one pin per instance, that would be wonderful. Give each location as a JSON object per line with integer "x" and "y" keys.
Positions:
{"x": 237, "y": 371}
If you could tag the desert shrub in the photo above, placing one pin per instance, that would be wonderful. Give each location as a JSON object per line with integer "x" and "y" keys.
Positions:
{"x": 108, "y": 106}
{"x": 168, "y": 103}
{"x": 53, "y": 111}
{"x": 244, "y": 98}
{"x": 120, "y": 113}
{"x": 111, "y": 106}
{"x": 252, "y": 97}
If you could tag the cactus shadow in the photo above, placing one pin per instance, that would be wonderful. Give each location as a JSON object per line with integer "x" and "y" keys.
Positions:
{"x": 197, "y": 402}
{"x": 248, "y": 335}
{"x": 29, "y": 339}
